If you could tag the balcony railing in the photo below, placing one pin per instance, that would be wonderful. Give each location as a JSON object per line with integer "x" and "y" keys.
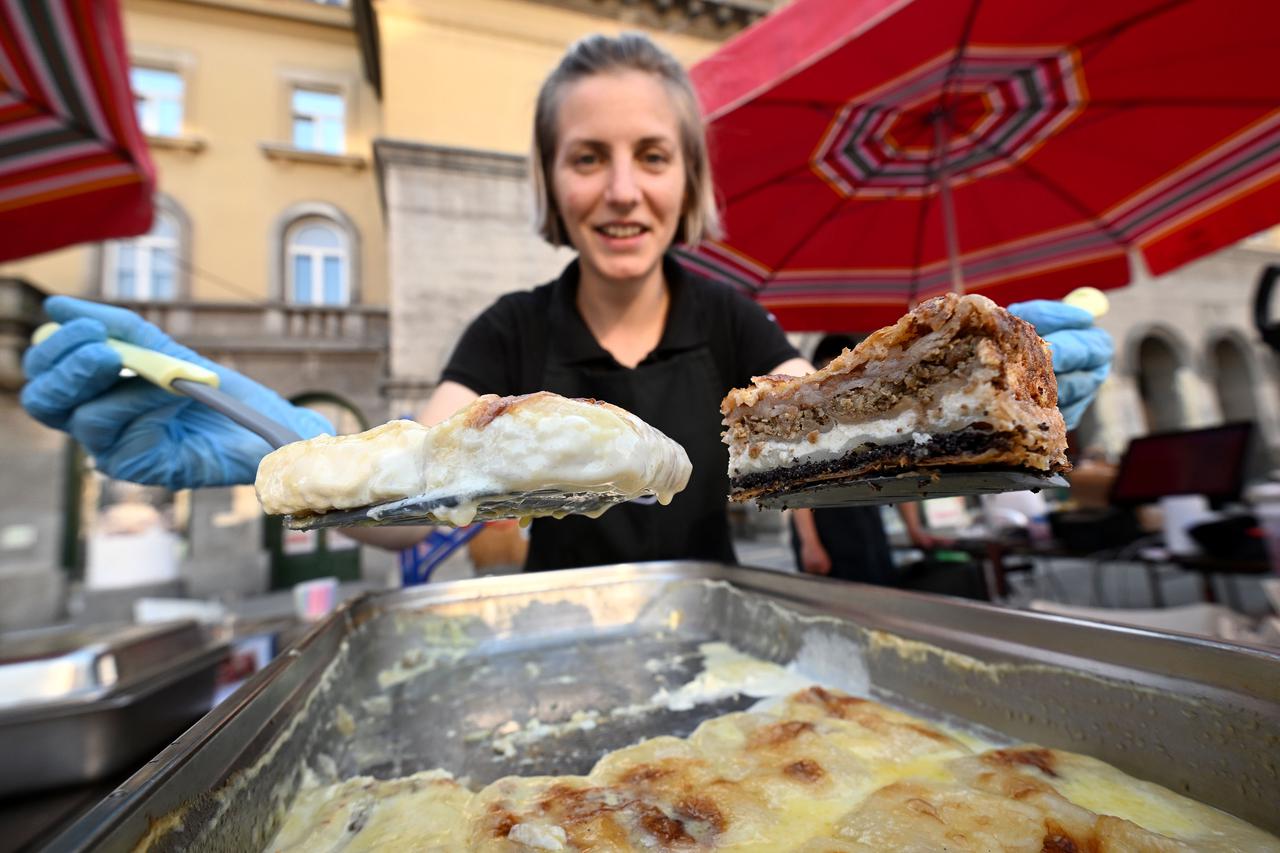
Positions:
{"x": 269, "y": 325}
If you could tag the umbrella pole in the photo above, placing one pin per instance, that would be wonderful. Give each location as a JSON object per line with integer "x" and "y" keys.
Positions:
{"x": 948, "y": 206}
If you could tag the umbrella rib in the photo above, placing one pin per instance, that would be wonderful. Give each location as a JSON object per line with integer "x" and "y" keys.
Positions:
{"x": 957, "y": 62}
{"x": 782, "y": 177}
{"x": 826, "y": 217}
{"x": 919, "y": 253}
{"x": 1062, "y": 194}
{"x": 1117, "y": 28}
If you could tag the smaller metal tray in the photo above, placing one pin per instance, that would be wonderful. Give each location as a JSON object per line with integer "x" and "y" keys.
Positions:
{"x": 78, "y": 704}
{"x": 51, "y": 664}
{"x": 907, "y": 486}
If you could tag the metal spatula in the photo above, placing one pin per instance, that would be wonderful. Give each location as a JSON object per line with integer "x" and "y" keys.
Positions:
{"x": 908, "y": 486}
{"x": 431, "y": 509}
{"x": 201, "y": 384}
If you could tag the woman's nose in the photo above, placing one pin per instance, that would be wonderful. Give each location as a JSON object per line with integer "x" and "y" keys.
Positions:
{"x": 622, "y": 189}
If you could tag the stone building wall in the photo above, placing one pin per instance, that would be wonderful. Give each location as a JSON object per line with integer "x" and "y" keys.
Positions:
{"x": 1187, "y": 314}
{"x": 460, "y": 234}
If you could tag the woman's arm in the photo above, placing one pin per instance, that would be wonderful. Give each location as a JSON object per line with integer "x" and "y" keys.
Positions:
{"x": 814, "y": 558}
{"x": 916, "y": 529}
{"x": 448, "y": 398}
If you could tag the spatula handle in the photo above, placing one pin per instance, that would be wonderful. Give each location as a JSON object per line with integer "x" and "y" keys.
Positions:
{"x": 199, "y": 383}
{"x": 155, "y": 367}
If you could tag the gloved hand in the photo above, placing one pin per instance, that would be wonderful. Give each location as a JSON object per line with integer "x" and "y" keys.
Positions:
{"x": 1082, "y": 352}
{"x": 135, "y": 430}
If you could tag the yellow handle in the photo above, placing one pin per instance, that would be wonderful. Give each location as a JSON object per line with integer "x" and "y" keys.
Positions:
{"x": 155, "y": 367}
{"x": 1090, "y": 299}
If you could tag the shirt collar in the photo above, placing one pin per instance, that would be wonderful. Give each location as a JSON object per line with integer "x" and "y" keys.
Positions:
{"x": 574, "y": 342}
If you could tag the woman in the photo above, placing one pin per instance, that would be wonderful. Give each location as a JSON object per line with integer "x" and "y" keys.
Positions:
{"x": 621, "y": 174}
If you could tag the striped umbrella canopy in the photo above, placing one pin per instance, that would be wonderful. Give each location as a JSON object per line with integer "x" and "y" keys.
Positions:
{"x": 74, "y": 166}
{"x": 873, "y": 153}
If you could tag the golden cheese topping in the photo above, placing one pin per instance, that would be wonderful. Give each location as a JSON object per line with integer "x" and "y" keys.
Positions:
{"x": 820, "y": 772}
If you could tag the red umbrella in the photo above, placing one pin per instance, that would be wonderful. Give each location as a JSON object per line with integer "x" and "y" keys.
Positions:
{"x": 73, "y": 164}
{"x": 871, "y": 153}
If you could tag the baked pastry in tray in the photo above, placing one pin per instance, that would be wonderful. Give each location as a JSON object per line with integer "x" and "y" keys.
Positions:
{"x": 958, "y": 383}
{"x": 818, "y": 772}
{"x": 536, "y": 454}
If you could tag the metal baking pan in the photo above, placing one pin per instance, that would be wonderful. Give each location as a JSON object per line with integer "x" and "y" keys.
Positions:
{"x": 78, "y": 704}
{"x": 397, "y": 682}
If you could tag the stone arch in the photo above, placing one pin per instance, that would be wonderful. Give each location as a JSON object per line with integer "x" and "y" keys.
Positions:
{"x": 1231, "y": 366}
{"x": 1155, "y": 356}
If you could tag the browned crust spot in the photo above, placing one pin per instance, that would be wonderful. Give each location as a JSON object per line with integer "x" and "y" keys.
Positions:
{"x": 1039, "y": 758}
{"x": 502, "y": 820}
{"x": 835, "y": 706}
{"x": 805, "y": 770}
{"x": 485, "y": 409}
{"x": 703, "y": 810}
{"x": 644, "y": 773}
{"x": 776, "y": 734}
{"x": 1057, "y": 839}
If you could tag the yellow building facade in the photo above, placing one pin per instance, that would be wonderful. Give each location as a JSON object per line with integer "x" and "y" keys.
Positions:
{"x": 398, "y": 128}
{"x": 465, "y": 73}
{"x": 229, "y": 170}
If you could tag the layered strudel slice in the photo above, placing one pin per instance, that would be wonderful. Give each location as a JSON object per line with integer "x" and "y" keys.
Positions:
{"x": 958, "y": 382}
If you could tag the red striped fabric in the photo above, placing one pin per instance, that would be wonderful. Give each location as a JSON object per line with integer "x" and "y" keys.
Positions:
{"x": 1070, "y": 131}
{"x": 74, "y": 165}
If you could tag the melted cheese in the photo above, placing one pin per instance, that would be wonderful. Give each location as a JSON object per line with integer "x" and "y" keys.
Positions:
{"x": 495, "y": 446}
{"x": 819, "y": 772}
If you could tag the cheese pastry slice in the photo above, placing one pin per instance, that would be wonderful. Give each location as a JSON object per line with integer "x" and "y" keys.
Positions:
{"x": 494, "y": 446}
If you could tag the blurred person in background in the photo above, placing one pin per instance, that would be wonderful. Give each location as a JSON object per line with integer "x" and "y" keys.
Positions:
{"x": 620, "y": 174}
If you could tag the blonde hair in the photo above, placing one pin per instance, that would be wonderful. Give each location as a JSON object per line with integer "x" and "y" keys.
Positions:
{"x": 600, "y": 54}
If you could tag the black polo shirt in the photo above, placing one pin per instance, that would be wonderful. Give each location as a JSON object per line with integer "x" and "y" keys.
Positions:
{"x": 715, "y": 339}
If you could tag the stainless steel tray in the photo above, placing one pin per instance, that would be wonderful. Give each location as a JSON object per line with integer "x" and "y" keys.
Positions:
{"x": 77, "y": 704}
{"x": 51, "y": 664}
{"x": 397, "y": 682}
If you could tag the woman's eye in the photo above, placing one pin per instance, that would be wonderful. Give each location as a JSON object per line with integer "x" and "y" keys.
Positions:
{"x": 655, "y": 158}
{"x": 586, "y": 158}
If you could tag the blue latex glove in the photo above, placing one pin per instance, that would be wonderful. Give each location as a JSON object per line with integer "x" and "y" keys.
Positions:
{"x": 135, "y": 430}
{"x": 1082, "y": 352}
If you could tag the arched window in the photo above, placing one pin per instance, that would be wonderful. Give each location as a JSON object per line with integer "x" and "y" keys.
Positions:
{"x": 318, "y": 263}
{"x": 146, "y": 267}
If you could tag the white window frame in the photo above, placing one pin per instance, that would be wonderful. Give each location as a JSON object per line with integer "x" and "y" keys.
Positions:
{"x": 317, "y": 255}
{"x": 146, "y": 104}
{"x": 144, "y": 248}
{"x": 318, "y": 121}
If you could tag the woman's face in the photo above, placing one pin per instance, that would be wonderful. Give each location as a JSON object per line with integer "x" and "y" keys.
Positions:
{"x": 618, "y": 177}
